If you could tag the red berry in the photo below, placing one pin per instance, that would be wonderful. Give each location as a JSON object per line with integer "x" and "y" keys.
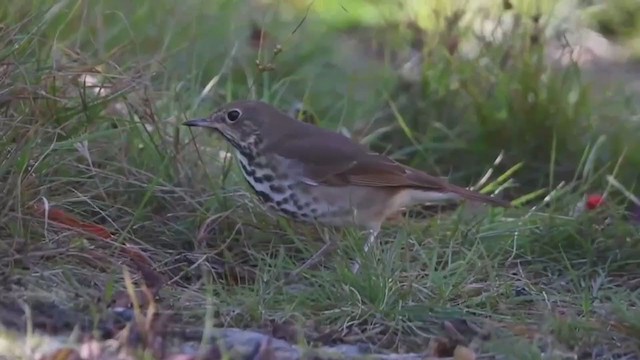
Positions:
{"x": 594, "y": 201}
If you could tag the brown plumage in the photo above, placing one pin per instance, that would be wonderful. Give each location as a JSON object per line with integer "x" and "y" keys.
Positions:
{"x": 340, "y": 162}
{"x": 315, "y": 175}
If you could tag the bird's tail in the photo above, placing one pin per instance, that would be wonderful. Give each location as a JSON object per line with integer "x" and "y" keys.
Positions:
{"x": 476, "y": 196}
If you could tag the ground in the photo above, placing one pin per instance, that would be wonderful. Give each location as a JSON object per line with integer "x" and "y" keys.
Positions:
{"x": 105, "y": 194}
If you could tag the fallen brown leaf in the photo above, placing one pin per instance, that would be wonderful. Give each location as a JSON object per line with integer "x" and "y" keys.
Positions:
{"x": 463, "y": 353}
{"x": 63, "y": 354}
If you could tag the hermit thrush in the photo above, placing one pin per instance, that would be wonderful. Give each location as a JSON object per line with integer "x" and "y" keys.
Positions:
{"x": 314, "y": 175}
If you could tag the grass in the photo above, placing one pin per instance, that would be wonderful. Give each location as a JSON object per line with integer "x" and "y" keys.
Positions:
{"x": 92, "y": 95}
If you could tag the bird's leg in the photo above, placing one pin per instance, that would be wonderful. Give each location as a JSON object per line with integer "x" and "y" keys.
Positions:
{"x": 328, "y": 248}
{"x": 371, "y": 240}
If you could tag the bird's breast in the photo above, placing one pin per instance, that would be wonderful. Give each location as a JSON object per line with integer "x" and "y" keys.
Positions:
{"x": 275, "y": 187}
{"x": 282, "y": 189}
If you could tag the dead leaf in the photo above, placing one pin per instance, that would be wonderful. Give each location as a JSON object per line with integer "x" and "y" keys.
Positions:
{"x": 463, "y": 353}
{"x": 65, "y": 219}
{"x": 63, "y": 354}
{"x": 440, "y": 348}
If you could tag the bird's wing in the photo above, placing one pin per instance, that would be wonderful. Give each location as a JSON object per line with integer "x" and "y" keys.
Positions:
{"x": 335, "y": 160}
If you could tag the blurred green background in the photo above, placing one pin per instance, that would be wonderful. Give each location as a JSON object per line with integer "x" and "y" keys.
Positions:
{"x": 445, "y": 86}
{"x": 342, "y": 59}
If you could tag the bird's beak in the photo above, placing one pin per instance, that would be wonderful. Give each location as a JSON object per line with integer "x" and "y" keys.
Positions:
{"x": 198, "y": 123}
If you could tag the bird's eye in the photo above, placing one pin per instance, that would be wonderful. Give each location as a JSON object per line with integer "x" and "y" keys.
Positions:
{"x": 233, "y": 115}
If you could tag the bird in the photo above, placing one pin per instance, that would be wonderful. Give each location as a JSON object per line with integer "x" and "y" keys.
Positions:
{"x": 310, "y": 174}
